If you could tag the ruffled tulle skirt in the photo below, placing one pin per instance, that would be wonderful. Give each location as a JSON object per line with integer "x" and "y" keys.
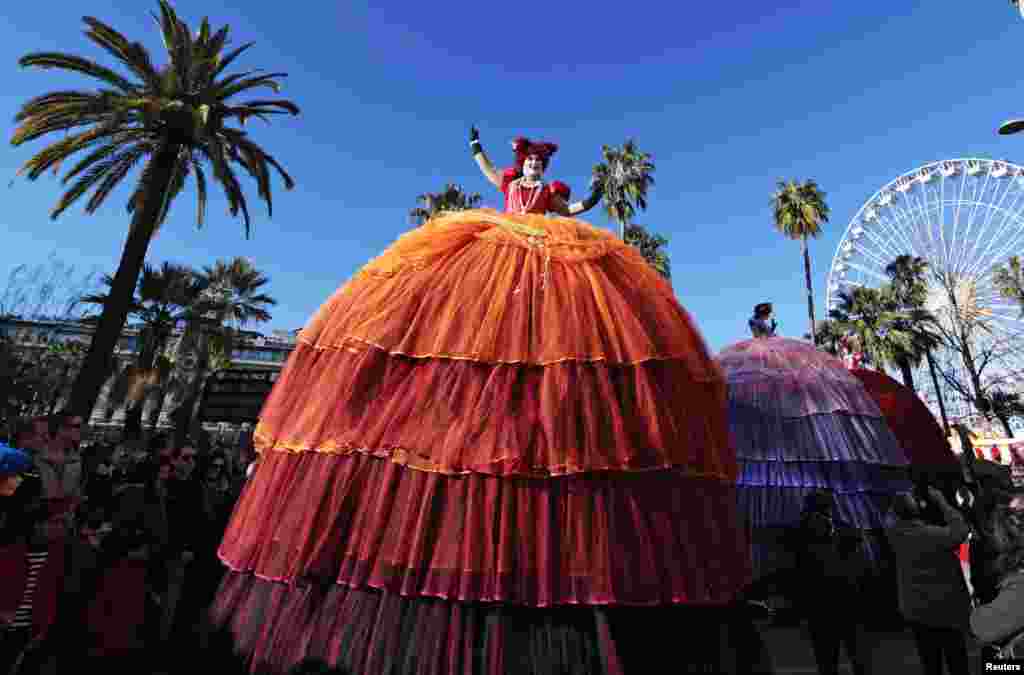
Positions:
{"x": 802, "y": 422}
{"x": 500, "y": 448}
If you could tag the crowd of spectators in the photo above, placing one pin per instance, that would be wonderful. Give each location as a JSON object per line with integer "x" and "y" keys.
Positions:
{"x": 108, "y": 551}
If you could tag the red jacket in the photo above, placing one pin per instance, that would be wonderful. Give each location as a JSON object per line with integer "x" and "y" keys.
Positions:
{"x": 13, "y": 572}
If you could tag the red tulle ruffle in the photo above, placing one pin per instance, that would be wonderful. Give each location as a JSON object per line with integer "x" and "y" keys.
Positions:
{"x": 646, "y": 538}
{"x": 460, "y": 416}
{"x": 275, "y": 626}
{"x": 911, "y": 422}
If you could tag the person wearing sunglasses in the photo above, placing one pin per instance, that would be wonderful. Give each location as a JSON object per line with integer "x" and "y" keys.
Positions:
{"x": 185, "y": 519}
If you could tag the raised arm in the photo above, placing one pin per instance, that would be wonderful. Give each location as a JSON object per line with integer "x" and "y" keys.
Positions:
{"x": 491, "y": 173}
{"x": 563, "y": 208}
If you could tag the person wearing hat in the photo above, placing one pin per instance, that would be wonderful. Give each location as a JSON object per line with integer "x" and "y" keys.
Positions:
{"x": 14, "y": 464}
{"x": 523, "y": 185}
{"x": 762, "y": 325}
{"x": 33, "y": 561}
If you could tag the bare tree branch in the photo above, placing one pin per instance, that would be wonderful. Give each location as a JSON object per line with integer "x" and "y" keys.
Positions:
{"x": 47, "y": 291}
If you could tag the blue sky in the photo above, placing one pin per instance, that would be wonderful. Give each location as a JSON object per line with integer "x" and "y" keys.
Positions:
{"x": 728, "y": 98}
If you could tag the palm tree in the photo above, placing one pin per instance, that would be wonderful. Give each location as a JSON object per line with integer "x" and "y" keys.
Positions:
{"x": 162, "y": 304}
{"x": 452, "y": 198}
{"x": 625, "y": 176}
{"x": 1009, "y": 281}
{"x": 908, "y": 289}
{"x": 1002, "y": 405}
{"x": 651, "y": 248}
{"x": 799, "y": 212}
{"x": 862, "y": 314}
{"x": 175, "y": 118}
{"x": 829, "y": 335}
{"x": 232, "y": 298}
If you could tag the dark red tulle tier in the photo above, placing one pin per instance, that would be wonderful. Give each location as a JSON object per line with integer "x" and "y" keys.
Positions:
{"x": 910, "y": 420}
{"x": 456, "y": 416}
{"x": 645, "y": 538}
{"x": 276, "y": 626}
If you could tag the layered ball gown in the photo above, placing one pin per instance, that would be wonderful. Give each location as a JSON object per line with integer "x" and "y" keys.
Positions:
{"x": 501, "y": 447}
{"x": 801, "y": 422}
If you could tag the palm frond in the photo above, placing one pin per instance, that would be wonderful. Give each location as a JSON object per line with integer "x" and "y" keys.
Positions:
{"x": 61, "y": 150}
{"x": 46, "y": 103}
{"x": 183, "y": 56}
{"x": 230, "y": 57}
{"x": 115, "y": 174}
{"x": 85, "y": 183}
{"x": 168, "y": 24}
{"x": 257, "y": 168}
{"x": 115, "y": 143}
{"x": 103, "y": 111}
{"x": 231, "y": 79}
{"x": 131, "y": 54}
{"x": 286, "y": 106}
{"x": 268, "y": 80}
{"x": 226, "y": 176}
{"x": 49, "y": 60}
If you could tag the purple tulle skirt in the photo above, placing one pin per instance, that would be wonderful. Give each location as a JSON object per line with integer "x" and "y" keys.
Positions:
{"x": 802, "y": 422}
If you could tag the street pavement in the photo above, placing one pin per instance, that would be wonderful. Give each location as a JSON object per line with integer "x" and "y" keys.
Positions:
{"x": 893, "y": 652}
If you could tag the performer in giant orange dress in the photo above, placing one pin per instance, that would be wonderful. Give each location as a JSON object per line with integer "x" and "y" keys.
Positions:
{"x": 501, "y": 447}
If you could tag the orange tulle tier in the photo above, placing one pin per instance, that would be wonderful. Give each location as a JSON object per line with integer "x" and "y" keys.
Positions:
{"x": 459, "y": 417}
{"x": 657, "y": 537}
{"x": 502, "y": 288}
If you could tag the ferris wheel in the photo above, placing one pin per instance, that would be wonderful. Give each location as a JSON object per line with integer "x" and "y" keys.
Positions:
{"x": 964, "y": 217}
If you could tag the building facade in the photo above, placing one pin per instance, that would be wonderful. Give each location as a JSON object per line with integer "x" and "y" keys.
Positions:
{"x": 254, "y": 351}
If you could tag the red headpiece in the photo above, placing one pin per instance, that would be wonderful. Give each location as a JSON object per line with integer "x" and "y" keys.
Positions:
{"x": 524, "y": 147}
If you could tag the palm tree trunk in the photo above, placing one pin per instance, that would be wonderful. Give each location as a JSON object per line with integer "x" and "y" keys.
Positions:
{"x": 133, "y": 418}
{"x": 197, "y": 404}
{"x": 907, "y": 374}
{"x": 807, "y": 279}
{"x": 938, "y": 392}
{"x": 184, "y": 415}
{"x": 1006, "y": 425}
{"x": 99, "y": 360}
{"x": 154, "y": 416}
{"x": 184, "y": 418}
{"x": 59, "y": 391}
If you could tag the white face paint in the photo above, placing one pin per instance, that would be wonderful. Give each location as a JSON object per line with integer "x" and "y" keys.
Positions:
{"x": 533, "y": 168}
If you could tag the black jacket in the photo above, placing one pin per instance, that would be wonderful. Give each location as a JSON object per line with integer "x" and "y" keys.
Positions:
{"x": 830, "y": 562}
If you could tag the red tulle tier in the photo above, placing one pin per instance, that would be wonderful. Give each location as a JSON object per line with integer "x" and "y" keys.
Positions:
{"x": 276, "y": 626}
{"x": 456, "y": 416}
{"x": 503, "y": 288}
{"x": 645, "y": 538}
{"x": 911, "y": 422}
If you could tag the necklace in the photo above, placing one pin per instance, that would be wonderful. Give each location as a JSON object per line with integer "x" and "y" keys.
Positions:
{"x": 516, "y": 202}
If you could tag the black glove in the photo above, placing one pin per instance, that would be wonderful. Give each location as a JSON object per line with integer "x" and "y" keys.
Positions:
{"x": 474, "y": 141}
{"x": 596, "y": 192}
